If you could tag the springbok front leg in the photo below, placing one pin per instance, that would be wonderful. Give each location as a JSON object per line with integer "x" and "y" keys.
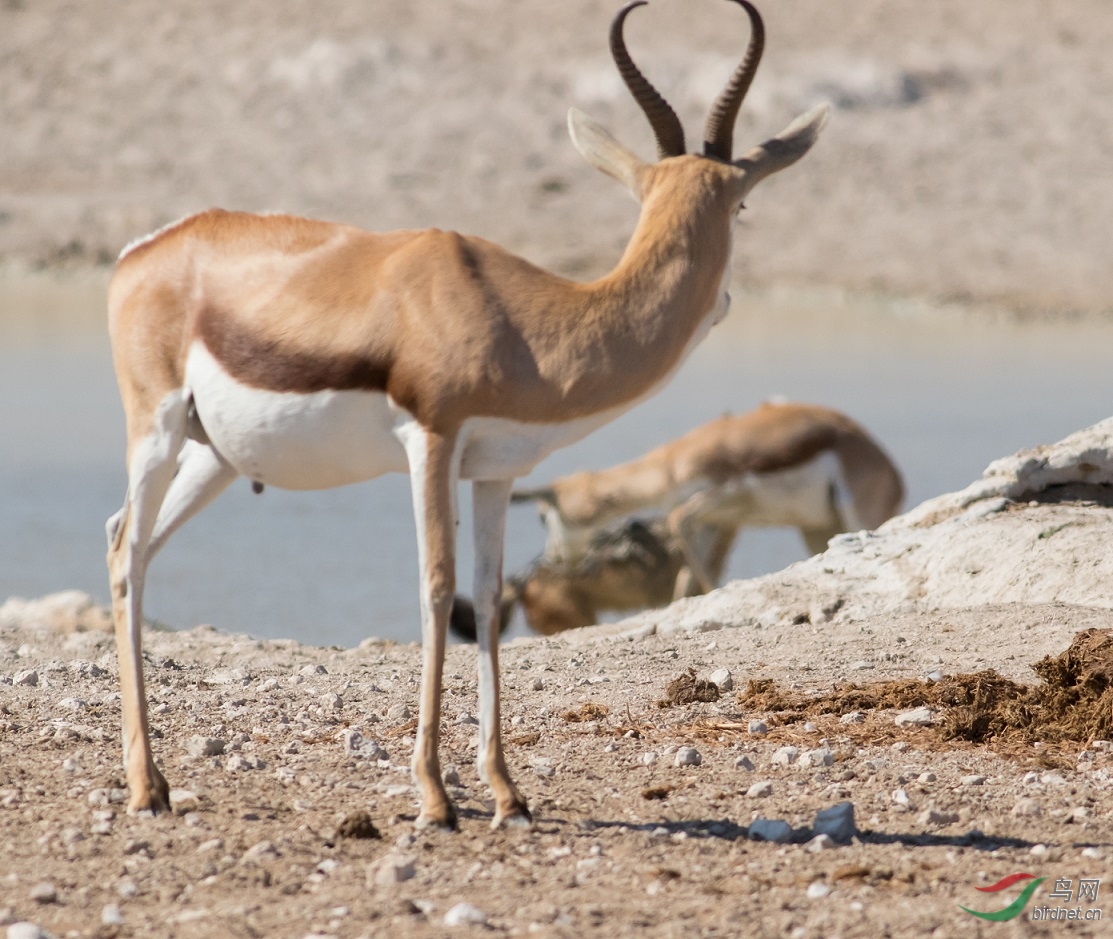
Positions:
{"x": 151, "y": 466}
{"x": 490, "y": 499}
{"x": 433, "y": 474}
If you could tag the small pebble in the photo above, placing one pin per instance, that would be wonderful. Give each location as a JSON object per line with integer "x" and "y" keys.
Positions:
{"x": 900, "y": 797}
{"x": 538, "y": 684}
{"x": 649, "y": 757}
{"x": 759, "y": 728}
{"x": 760, "y": 790}
{"x": 854, "y": 717}
{"x": 819, "y": 757}
{"x": 775, "y": 830}
{"x": 817, "y": 890}
{"x": 1039, "y": 850}
{"x": 688, "y": 756}
{"x": 27, "y": 931}
{"x": 465, "y": 718}
{"x": 44, "y": 893}
{"x": 464, "y": 914}
{"x": 111, "y": 915}
{"x": 974, "y": 779}
{"x": 837, "y": 821}
{"x": 1027, "y": 808}
{"x": 204, "y": 746}
{"x": 821, "y": 842}
{"x": 928, "y": 777}
{"x": 744, "y": 762}
{"x": 29, "y": 678}
{"x": 785, "y": 756}
{"x": 917, "y": 717}
{"x": 722, "y": 678}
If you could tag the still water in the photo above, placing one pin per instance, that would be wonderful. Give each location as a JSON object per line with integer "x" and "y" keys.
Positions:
{"x": 945, "y": 390}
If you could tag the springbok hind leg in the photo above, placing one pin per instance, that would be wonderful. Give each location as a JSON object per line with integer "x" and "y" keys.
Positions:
{"x": 490, "y": 499}
{"x": 150, "y": 470}
{"x": 433, "y": 475}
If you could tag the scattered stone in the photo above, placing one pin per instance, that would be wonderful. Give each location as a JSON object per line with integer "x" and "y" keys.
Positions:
{"x": 111, "y": 915}
{"x": 28, "y": 678}
{"x": 330, "y": 702}
{"x": 821, "y": 842}
{"x": 311, "y": 671}
{"x": 974, "y": 779}
{"x": 106, "y": 796}
{"x": 399, "y": 712}
{"x": 688, "y": 756}
{"x": 464, "y": 914}
{"x": 73, "y": 704}
{"x": 1039, "y": 850}
{"x": 228, "y": 676}
{"x": 199, "y": 746}
{"x": 862, "y": 666}
{"x": 544, "y": 770}
{"x": 818, "y": 757}
{"x": 810, "y": 728}
{"x": 758, "y": 728}
{"x": 238, "y": 763}
{"x": 269, "y": 685}
{"x": 44, "y": 893}
{"x": 28, "y": 931}
{"x": 538, "y": 684}
{"x": 1027, "y": 808}
{"x": 361, "y": 747}
{"x": 649, "y": 757}
{"x": 760, "y": 790}
{"x": 917, "y": 717}
{"x": 744, "y": 762}
{"x": 901, "y": 746}
{"x": 900, "y": 797}
{"x": 464, "y": 718}
{"x": 853, "y": 717}
{"x": 785, "y": 756}
{"x": 136, "y": 846}
{"x": 1077, "y": 814}
{"x": 776, "y": 830}
{"x": 937, "y": 818}
{"x": 836, "y": 821}
{"x": 1093, "y": 854}
{"x": 263, "y": 851}
{"x": 183, "y": 800}
{"x": 817, "y": 890}
{"x": 928, "y": 777}
{"x": 722, "y": 678}
{"x": 391, "y": 869}
{"x": 357, "y": 824}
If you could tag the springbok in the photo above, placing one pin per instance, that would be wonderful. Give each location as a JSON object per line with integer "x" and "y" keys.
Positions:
{"x": 796, "y": 465}
{"x": 306, "y": 355}
{"x": 630, "y": 566}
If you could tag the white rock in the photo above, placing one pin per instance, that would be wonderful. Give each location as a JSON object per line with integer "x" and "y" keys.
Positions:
{"x": 464, "y": 914}
{"x": 106, "y": 796}
{"x": 111, "y": 915}
{"x": 744, "y": 762}
{"x": 204, "y": 746}
{"x": 917, "y": 717}
{"x": 228, "y": 676}
{"x": 817, "y": 890}
{"x": 29, "y": 678}
{"x": 776, "y": 830}
{"x": 821, "y": 842}
{"x": 330, "y": 701}
{"x": 688, "y": 756}
{"x": 785, "y": 756}
{"x": 722, "y": 678}
{"x": 935, "y": 817}
{"x": 900, "y": 797}
{"x": 928, "y": 777}
{"x": 1039, "y": 850}
{"x": 760, "y": 790}
{"x": 263, "y": 851}
{"x": 974, "y": 779}
{"x": 1027, "y": 808}
{"x": 392, "y": 869}
{"x": 465, "y": 718}
{"x": 853, "y": 717}
{"x": 28, "y": 931}
{"x": 759, "y": 728}
{"x": 818, "y": 757}
{"x": 1093, "y": 854}
{"x": 45, "y": 892}
{"x": 649, "y": 757}
{"x": 538, "y": 684}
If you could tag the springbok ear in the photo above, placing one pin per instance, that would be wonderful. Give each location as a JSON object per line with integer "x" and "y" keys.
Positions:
{"x": 602, "y": 151}
{"x": 784, "y": 149}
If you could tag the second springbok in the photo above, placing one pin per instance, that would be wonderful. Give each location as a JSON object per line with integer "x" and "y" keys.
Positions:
{"x": 306, "y": 355}
{"x": 796, "y": 465}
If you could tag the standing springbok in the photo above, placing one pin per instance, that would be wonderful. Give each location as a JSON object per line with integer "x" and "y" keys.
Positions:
{"x": 796, "y": 465}
{"x": 307, "y": 355}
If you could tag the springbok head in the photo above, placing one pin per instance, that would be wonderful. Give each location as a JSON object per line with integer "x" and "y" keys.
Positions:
{"x": 736, "y": 177}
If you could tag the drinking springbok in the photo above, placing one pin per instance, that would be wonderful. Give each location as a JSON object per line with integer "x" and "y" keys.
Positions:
{"x": 305, "y": 355}
{"x": 798, "y": 465}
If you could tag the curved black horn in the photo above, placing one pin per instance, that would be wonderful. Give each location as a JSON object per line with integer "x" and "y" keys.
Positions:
{"x": 719, "y": 132}
{"x": 662, "y": 118}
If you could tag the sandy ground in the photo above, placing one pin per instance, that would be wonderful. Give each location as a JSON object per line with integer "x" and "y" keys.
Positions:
{"x": 968, "y": 155}
{"x": 967, "y": 158}
{"x": 647, "y": 818}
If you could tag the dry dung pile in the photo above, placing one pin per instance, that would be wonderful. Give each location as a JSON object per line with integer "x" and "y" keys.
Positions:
{"x": 688, "y": 689}
{"x": 1072, "y": 703}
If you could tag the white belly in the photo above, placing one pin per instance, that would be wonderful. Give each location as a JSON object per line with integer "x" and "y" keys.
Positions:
{"x": 333, "y": 438}
{"x": 295, "y": 441}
